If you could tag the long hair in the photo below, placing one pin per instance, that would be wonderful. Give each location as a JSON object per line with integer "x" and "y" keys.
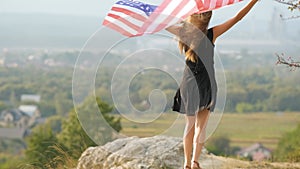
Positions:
{"x": 189, "y": 38}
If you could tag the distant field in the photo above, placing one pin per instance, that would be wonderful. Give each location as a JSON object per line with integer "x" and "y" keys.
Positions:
{"x": 242, "y": 129}
{"x": 267, "y": 128}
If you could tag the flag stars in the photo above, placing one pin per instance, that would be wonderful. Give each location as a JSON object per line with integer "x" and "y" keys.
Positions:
{"x": 146, "y": 8}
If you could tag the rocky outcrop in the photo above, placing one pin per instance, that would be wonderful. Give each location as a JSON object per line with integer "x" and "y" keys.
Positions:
{"x": 136, "y": 153}
{"x": 160, "y": 152}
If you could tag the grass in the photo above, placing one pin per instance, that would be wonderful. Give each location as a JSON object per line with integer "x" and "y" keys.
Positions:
{"x": 230, "y": 163}
{"x": 242, "y": 129}
{"x": 267, "y": 128}
{"x": 159, "y": 125}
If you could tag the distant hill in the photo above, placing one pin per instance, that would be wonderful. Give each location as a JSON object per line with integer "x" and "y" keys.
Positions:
{"x": 66, "y": 31}
{"x": 46, "y": 30}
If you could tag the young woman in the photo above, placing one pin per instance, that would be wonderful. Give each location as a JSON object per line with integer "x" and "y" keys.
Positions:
{"x": 196, "y": 96}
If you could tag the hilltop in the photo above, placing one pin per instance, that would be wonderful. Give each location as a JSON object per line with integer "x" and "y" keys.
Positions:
{"x": 162, "y": 152}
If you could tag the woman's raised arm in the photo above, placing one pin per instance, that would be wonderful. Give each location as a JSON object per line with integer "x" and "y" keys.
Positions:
{"x": 222, "y": 28}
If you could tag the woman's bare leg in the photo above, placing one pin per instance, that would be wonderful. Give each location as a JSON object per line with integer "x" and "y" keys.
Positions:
{"x": 188, "y": 139}
{"x": 199, "y": 138}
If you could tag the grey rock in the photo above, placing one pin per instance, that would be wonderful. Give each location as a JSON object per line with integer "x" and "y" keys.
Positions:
{"x": 158, "y": 152}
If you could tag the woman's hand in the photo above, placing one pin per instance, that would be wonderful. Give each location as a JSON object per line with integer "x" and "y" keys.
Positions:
{"x": 222, "y": 28}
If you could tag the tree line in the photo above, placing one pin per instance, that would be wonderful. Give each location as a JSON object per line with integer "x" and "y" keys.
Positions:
{"x": 248, "y": 90}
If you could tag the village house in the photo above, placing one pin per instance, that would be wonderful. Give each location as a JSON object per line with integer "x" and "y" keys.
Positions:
{"x": 30, "y": 98}
{"x": 255, "y": 152}
{"x": 16, "y": 123}
{"x": 23, "y": 117}
{"x": 31, "y": 110}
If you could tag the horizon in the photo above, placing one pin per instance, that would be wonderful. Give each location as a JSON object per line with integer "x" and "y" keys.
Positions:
{"x": 41, "y": 24}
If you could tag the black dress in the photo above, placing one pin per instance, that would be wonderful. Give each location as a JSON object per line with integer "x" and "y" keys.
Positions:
{"x": 198, "y": 88}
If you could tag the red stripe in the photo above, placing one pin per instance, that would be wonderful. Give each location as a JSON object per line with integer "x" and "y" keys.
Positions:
{"x": 200, "y": 7}
{"x": 205, "y": 5}
{"x": 208, "y": 4}
{"x": 219, "y": 3}
{"x": 126, "y": 22}
{"x": 230, "y": 2}
{"x": 172, "y": 15}
{"x": 117, "y": 28}
{"x": 162, "y": 6}
{"x": 128, "y": 12}
{"x": 199, "y": 4}
{"x": 154, "y": 15}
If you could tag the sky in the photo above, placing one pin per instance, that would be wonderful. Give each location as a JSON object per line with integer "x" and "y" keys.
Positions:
{"x": 72, "y": 7}
{"x": 100, "y": 7}
{"x": 97, "y": 9}
{"x": 260, "y": 15}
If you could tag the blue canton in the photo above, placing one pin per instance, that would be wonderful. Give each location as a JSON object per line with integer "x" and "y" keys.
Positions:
{"x": 147, "y": 8}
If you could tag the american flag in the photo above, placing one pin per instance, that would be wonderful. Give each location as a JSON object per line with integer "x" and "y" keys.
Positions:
{"x": 134, "y": 18}
{"x": 215, "y": 4}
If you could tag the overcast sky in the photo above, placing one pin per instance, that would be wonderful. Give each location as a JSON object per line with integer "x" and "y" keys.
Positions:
{"x": 99, "y": 8}
{"x": 262, "y": 12}
{"x": 261, "y": 15}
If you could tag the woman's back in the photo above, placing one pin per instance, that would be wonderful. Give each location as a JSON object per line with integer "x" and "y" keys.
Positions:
{"x": 205, "y": 52}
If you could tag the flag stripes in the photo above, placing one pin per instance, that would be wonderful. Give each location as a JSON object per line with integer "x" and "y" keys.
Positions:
{"x": 134, "y": 18}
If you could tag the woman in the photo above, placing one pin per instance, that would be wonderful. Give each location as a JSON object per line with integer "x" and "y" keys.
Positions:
{"x": 196, "y": 96}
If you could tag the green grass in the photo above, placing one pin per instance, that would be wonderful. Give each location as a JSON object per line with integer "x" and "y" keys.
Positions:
{"x": 267, "y": 128}
{"x": 242, "y": 129}
{"x": 158, "y": 125}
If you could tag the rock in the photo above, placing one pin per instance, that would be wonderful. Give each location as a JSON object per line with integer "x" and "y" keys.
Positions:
{"x": 136, "y": 153}
{"x": 159, "y": 152}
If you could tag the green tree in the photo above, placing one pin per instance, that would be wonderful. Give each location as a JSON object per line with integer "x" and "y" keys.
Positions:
{"x": 244, "y": 107}
{"x": 288, "y": 148}
{"x": 8, "y": 161}
{"x": 285, "y": 99}
{"x": 3, "y": 106}
{"x": 235, "y": 95}
{"x": 55, "y": 123}
{"x": 219, "y": 145}
{"x": 74, "y": 137}
{"x": 47, "y": 108}
{"x": 48, "y": 150}
{"x": 13, "y": 99}
{"x": 106, "y": 109}
{"x": 62, "y": 103}
{"x": 39, "y": 151}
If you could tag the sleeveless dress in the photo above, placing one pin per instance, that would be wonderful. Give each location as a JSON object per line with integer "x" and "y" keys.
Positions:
{"x": 198, "y": 88}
